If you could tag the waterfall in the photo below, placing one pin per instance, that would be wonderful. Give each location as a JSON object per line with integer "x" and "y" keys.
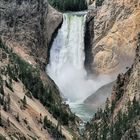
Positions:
{"x": 66, "y": 66}
{"x": 68, "y": 46}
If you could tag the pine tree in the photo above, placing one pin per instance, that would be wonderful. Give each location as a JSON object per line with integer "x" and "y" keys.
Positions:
{"x": 130, "y": 110}
{"x": 99, "y": 2}
{"x": 107, "y": 109}
{"x": 112, "y": 106}
{"x": 118, "y": 126}
{"x": 95, "y": 131}
{"x": 8, "y": 102}
{"x": 5, "y": 105}
{"x": 8, "y": 122}
{"x": 0, "y": 117}
{"x": 1, "y": 100}
{"x": 40, "y": 119}
{"x": 135, "y": 107}
{"x": 104, "y": 131}
{"x": 45, "y": 121}
{"x": 1, "y": 90}
{"x": 17, "y": 117}
{"x": 24, "y": 101}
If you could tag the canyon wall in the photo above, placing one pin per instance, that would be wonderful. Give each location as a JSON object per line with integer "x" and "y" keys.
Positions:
{"x": 30, "y": 24}
{"x": 121, "y": 108}
{"x": 116, "y": 24}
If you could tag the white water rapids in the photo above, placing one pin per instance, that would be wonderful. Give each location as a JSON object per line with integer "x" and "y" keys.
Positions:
{"x": 66, "y": 66}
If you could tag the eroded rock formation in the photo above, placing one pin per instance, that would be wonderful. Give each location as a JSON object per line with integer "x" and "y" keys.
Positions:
{"x": 29, "y": 23}
{"x": 116, "y": 23}
{"x": 121, "y": 108}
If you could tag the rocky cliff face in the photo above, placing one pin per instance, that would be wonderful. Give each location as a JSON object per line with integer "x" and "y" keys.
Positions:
{"x": 116, "y": 23}
{"x": 29, "y": 23}
{"x": 26, "y": 28}
{"x": 120, "y": 118}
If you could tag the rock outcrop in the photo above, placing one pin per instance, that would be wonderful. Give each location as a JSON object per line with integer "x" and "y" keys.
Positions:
{"x": 29, "y": 23}
{"x": 116, "y": 25}
{"x": 98, "y": 98}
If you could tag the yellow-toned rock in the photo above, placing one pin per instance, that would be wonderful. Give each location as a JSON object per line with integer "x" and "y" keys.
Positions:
{"x": 117, "y": 23}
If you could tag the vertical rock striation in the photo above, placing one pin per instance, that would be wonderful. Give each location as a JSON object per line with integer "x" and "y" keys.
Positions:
{"x": 116, "y": 23}
{"x": 29, "y": 23}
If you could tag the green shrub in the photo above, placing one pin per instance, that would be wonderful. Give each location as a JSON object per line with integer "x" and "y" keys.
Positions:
{"x": 53, "y": 130}
{"x": 2, "y": 137}
{"x": 99, "y": 2}
{"x": 69, "y": 5}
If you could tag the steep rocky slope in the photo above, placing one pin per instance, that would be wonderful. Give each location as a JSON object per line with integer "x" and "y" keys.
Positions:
{"x": 121, "y": 117}
{"x": 26, "y": 28}
{"x": 26, "y": 97}
{"x": 116, "y": 24}
{"x": 98, "y": 98}
{"x": 29, "y": 23}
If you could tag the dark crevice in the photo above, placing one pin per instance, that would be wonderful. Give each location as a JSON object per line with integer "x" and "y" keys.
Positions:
{"x": 89, "y": 34}
{"x": 52, "y": 40}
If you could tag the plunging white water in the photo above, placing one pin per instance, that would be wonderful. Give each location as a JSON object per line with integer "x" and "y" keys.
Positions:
{"x": 67, "y": 57}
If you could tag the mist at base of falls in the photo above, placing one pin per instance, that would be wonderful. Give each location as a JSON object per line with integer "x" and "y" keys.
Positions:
{"x": 75, "y": 85}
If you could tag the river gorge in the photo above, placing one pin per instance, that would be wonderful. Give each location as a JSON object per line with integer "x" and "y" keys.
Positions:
{"x": 66, "y": 66}
{"x": 69, "y": 69}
